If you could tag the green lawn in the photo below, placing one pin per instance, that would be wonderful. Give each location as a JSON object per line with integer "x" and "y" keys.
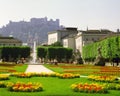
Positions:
{"x": 8, "y": 68}
{"x": 21, "y": 68}
{"x": 53, "y": 86}
{"x": 85, "y": 69}
{"x": 62, "y": 68}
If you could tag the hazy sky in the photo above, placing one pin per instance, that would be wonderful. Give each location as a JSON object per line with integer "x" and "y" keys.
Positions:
{"x": 96, "y": 14}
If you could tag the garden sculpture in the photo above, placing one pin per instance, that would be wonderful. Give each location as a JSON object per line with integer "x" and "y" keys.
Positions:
{"x": 99, "y": 61}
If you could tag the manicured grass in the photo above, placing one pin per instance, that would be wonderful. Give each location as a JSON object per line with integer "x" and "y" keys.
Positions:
{"x": 7, "y": 68}
{"x": 55, "y": 68}
{"x": 85, "y": 69}
{"x": 21, "y": 68}
{"x": 53, "y": 86}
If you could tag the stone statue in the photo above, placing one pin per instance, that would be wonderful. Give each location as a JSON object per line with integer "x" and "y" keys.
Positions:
{"x": 99, "y": 61}
{"x": 77, "y": 57}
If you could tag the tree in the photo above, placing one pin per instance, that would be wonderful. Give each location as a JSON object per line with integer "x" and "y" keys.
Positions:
{"x": 57, "y": 44}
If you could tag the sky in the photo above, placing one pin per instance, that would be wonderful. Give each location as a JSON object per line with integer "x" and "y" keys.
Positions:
{"x": 94, "y": 14}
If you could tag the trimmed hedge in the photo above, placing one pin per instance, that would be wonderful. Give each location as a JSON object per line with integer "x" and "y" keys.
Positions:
{"x": 110, "y": 48}
{"x": 12, "y": 53}
{"x": 41, "y": 52}
{"x": 58, "y": 53}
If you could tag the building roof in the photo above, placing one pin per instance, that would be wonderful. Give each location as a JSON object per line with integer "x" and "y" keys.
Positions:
{"x": 97, "y": 32}
{"x": 103, "y": 31}
{"x": 70, "y": 28}
{"x": 111, "y": 35}
{"x": 69, "y": 36}
{"x": 67, "y": 29}
{"x": 9, "y": 40}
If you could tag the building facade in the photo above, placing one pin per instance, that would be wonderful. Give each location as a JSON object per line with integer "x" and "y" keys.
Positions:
{"x": 9, "y": 41}
{"x": 77, "y": 39}
{"x": 69, "y": 41}
{"x": 59, "y": 35}
{"x": 89, "y": 36}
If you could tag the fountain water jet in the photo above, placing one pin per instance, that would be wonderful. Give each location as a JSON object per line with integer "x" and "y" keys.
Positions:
{"x": 34, "y": 54}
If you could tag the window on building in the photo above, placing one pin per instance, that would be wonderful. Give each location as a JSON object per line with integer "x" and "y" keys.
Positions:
{"x": 65, "y": 44}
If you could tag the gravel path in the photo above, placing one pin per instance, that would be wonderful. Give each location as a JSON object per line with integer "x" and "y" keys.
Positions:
{"x": 37, "y": 68}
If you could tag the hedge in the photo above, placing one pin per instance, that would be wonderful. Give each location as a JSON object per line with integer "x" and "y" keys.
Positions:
{"x": 58, "y": 53}
{"x": 13, "y": 53}
{"x": 41, "y": 52}
{"x": 110, "y": 48}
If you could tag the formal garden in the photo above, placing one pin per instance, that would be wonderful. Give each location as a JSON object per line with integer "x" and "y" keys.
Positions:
{"x": 68, "y": 78}
{"x": 75, "y": 83}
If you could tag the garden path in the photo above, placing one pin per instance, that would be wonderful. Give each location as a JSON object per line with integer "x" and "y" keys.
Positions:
{"x": 37, "y": 68}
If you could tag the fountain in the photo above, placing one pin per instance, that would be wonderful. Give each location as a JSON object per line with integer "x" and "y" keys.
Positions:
{"x": 34, "y": 55}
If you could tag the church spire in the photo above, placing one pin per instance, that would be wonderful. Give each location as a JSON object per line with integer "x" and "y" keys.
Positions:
{"x": 87, "y": 28}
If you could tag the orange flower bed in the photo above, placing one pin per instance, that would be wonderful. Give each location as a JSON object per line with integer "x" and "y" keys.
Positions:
{"x": 89, "y": 69}
{"x": 103, "y": 78}
{"x": 24, "y": 75}
{"x": 66, "y": 67}
{"x": 44, "y": 74}
{"x": 68, "y": 75}
{"x": 25, "y": 87}
{"x": 89, "y": 88}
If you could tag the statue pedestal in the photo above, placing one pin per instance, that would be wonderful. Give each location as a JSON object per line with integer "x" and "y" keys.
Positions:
{"x": 99, "y": 61}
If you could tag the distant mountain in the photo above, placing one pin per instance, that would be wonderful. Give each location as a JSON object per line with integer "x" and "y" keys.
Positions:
{"x": 36, "y": 29}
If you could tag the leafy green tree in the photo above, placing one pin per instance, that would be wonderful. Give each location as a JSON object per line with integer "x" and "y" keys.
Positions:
{"x": 110, "y": 48}
{"x": 57, "y": 44}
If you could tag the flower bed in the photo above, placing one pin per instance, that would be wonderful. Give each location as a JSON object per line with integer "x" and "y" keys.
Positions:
{"x": 4, "y": 76}
{"x": 89, "y": 69}
{"x": 24, "y": 75}
{"x": 89, "y": 88}
{"x": 15, "y": 73}
{"x": 103, "y": 78}
{"x": 43, "y": 74}
{"x": 68, "y": 75}
{"x": 107, "y": 73}
{"x": 112, "y": 86}
{"x": 72, "y": 66}
{"x": 33, "y": 74}
{"x": 25, "y": 87}
{"x": 2, "y": 85}
{"x": 21, "y": 74}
